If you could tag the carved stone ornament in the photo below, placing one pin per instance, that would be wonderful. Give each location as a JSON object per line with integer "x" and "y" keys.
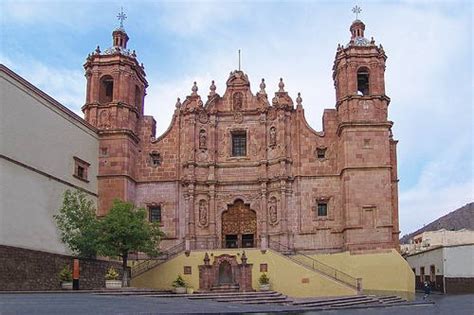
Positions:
{"x": 202, "y": 139}
{"x": 273, "y": 137}
{"x": 238, "y": 117}
{"x": 237, "y": 101}
{"x": 365, "y": 104}
{"x": 222, "y": 149}
{"x": 203, "y": 118}
{"x": 104, "y": 119}
{"x": 271, "y": 114}
{"x": 272, "y": 211}
{"x": 203, "y": 156}
{"x": 203, "y": 215}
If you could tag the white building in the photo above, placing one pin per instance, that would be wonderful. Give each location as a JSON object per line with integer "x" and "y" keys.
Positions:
{"x": 449, "y": 269}
{"x": 426, "y": 240}
{"x": 44, "y": 150}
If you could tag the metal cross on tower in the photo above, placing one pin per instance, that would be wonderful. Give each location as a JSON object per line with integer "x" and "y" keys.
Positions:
{"x": 357, "y": 11}
{"x": 121, "y": 17}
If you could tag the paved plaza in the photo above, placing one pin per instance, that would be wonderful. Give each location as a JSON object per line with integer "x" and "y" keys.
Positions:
{"x": 87, "y": 303}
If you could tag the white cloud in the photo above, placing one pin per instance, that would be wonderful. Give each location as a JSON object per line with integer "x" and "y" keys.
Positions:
{"x": 64, "y": 85}
{"x": 446, "y": 183}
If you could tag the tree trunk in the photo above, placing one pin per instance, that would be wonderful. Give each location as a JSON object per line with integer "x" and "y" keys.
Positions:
{"x": 125, "y": 270}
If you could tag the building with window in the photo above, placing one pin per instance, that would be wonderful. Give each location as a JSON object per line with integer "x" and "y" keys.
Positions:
{"x": 448, "y": 268}
{"x": 252, "y": 157}
{"x": 44, "y": 149}
{"x": 241, "y": 184}
{"x": 244, "y": 170}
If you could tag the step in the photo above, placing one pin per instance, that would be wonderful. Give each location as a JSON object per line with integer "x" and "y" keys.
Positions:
{"x": 203, "y": 296}
{"x": 341, "y": 303}
{"x": 251, "y": 298}
{"x": 332, "y": 299}
{"x": 138, "y": 292}
{"x": 351, "y": 303}
{"x": 282, "y": 300}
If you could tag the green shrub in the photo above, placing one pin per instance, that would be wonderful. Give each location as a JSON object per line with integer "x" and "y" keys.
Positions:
{"x": 264, "y": 279}
{"x": 179, "y": 282}
{"x": 111, "y": 274}
{"x": 65, "y": 275}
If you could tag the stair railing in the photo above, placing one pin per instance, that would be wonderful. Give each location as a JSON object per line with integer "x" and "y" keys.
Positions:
{"x": 316, "y": 265}
{"x": 155, "y": 261}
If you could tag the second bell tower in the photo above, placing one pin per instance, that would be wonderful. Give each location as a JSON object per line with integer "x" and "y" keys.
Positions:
{"x": 367, "y": 161}
{"x": 116, "y": 87}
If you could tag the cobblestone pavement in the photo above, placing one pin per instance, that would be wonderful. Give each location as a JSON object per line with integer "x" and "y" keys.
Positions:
{"x": 75, "y": 304}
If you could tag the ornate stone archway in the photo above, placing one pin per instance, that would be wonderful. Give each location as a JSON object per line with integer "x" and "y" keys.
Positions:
{"x": 225, "y": 274}
{"x": 239, "y": 226}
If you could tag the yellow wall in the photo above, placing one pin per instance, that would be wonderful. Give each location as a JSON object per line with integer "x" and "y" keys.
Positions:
{"x": 285, "y": 275}
{"x": 381, "y": 273}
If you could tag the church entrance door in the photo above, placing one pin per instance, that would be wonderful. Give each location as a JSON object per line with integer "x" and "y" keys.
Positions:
{"x": 239, "y": 226}
{"x": 225, "y": 273}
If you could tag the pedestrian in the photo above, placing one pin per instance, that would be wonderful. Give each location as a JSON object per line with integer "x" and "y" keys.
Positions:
{"x": 427, "y": 289}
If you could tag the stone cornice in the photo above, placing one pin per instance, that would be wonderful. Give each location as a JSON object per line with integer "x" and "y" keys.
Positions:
{"x": 361, "y": 97}
{"x": 117, "y": 131}
{"x": 358, "y": 124}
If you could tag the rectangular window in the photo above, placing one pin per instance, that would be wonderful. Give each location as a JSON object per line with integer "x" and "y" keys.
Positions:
{"x": 239, "y": 143}
{"x": 154, "y": 213}
{"x": 422, "y": 274}
{"x": 321, "y": 153}
{"x": 80, "y": 169}
{"x": 322, "y": 209}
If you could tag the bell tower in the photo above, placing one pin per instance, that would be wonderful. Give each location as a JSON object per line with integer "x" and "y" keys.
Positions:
{"x": 368, "y": 161}
{"x": 116, "y": 87}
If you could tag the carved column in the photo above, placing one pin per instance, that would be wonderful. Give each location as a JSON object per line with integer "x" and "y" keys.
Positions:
{"x": 212, "y": 209}
{"x": 283, "y": 207}
{"x": 263, "y": 221}
{"x": 191, "y": 235}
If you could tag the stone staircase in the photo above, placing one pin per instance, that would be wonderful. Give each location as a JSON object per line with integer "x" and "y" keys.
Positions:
{"x": 317, "y": 266}
{"x": 223, "y": 288}
{"x": 164, "y": 256}
{"x": 260, "y": 297}
{"x": 277, "y": 298}
{"x": 350, "y": 302}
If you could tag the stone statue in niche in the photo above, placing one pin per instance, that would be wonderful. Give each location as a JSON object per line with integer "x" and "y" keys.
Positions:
{"x": 203, "y": 212}
{"x": 202, "y": 139}
{"x": 272, "y": 210}
{"x": 273, "y": 137}
{"x": 237, "y": 101}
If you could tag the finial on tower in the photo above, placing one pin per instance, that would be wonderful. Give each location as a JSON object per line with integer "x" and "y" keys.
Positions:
{"x": 212, "y": 88}
{"x": 281, "y": 86}
{"x": 356, "y": 10}
{"x": 262, "y": 87}
{"x": 121, "y": 17}
{"x": 194, "y": 89}
{"x": 299, "y": 100}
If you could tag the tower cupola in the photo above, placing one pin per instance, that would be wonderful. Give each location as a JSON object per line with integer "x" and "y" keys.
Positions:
{"x": 120, "y": 38}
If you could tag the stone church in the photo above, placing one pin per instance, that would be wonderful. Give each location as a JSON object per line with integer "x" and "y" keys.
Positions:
{"x": 244, "y": 169}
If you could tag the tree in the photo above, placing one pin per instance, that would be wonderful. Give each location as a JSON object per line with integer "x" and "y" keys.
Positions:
{"x": 78, "y": 224}
{"x": 125, "y": 229}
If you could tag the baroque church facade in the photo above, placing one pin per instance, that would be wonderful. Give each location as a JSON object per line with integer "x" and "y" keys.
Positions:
{"x": 244, "y": 169}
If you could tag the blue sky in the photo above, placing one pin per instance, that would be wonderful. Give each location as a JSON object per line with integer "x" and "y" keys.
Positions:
{"x": 429, "y": 74}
